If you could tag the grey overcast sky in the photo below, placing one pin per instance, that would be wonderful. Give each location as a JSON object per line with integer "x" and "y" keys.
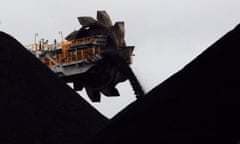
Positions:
{"x": 167, "y": 33}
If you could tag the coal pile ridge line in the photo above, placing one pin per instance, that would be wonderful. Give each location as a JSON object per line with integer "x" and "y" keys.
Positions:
{"x": 36, "y": 107}
{"x": 199, "y": 104}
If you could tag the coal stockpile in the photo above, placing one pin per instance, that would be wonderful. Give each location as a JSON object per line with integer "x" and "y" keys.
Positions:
{"x": 199, "y": 104}
{"x": 36, "y": 107}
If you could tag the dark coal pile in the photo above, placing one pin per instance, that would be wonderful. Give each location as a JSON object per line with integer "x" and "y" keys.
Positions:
{"x": 199, "y": 104}
{"x": 36, "y": 107}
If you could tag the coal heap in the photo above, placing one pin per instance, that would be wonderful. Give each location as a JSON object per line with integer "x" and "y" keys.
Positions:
{"x": 199, "y": 104}
{"x": 36, "y": 107}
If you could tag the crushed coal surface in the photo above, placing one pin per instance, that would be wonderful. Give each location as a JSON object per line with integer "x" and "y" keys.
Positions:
{"x": 199, "y": 104}
{"x": 36, "y": 107}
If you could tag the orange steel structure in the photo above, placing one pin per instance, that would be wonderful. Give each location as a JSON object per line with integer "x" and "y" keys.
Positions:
{"x": 60, "y": 53}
